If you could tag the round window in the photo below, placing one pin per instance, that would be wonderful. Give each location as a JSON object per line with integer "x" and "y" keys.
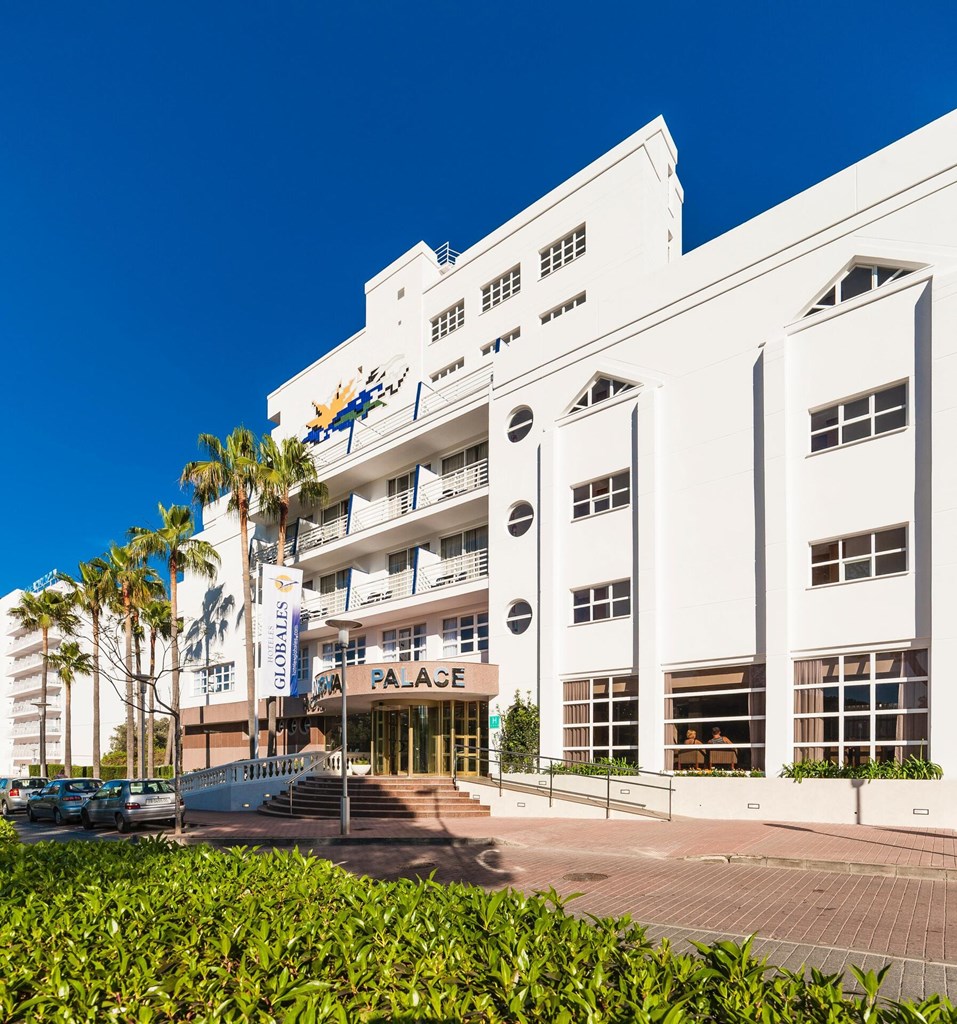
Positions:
{"x": 520, "y": 423}
{"x": 519, "y": 617}
{"x": 520, "y": 519}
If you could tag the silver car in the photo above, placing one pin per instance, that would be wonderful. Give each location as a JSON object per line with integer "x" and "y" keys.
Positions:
{"x": 124, "y": 803}
{"x": 15, "y": 790}
{"x": 62, "y": 800}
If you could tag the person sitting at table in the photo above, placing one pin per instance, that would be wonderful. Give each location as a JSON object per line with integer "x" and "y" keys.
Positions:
{"x": 722, "y": 758}
{"x": 691, "y": 758}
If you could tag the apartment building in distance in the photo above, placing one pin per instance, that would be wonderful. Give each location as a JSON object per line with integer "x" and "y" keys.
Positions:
{"x": 663, "y": 493}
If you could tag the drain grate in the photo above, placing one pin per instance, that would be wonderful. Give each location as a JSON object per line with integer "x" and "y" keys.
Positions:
{"x": 584, "y": 876}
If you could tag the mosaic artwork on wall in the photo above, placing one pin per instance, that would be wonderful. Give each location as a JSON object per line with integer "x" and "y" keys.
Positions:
{"x": 353, "y": 400}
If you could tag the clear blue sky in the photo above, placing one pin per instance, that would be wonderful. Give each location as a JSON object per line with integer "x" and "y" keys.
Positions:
{"x": 193, "y": 195}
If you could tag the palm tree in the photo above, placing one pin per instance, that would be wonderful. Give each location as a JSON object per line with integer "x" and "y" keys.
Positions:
{"x": 91, "y": 595}
{"x": 233, "y": 468}
{"x": 285, "y": 465}
{"x": 69, "y": 662}
{"x": 175, "y": 544}
{"x": 45, "y": 611}
{"x": 157, "y": 616}
{"x": 133, "y": 583}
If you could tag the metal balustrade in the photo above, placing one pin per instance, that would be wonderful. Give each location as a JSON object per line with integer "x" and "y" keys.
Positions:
{"x": 459, "y": 481}
{"x": 322, "y": 606}
{"x": 382, "y": 510}
{"x": 440, "y": 399}
{"x": 472, "y": 565}
{"x": 21, "y": 708}
{"x": 20, "y": 665}
{"x": 385, "y": 588}
{"x": 33, "y": 728}
{"x": 312, "y": 535}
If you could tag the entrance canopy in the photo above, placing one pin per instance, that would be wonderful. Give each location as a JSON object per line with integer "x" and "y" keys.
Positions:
{"x": 399, "y": 682}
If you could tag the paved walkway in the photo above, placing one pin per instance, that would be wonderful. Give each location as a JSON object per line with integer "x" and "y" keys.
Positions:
{"x": 861, "y": 901}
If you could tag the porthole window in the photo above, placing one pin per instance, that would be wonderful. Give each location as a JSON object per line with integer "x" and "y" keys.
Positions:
{"x": 519, "y": 617}
{"x": 520, "y": 424}
{"x": 520, "y": 519}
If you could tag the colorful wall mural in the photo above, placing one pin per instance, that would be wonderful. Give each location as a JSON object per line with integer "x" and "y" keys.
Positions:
{"x": 354, "y": 401}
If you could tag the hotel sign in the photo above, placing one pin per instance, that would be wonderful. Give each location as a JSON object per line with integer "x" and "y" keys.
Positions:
{"x": 279, "y": 612}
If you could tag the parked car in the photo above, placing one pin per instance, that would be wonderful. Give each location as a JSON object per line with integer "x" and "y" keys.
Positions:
{"x": 15, "y": 790}
{"x": 125, "y": 803}
{"x": 62, "y": 799}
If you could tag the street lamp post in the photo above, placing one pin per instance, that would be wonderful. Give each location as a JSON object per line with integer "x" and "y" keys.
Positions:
{"x": 41, "y": 706}
{"x": 343, "y": 626}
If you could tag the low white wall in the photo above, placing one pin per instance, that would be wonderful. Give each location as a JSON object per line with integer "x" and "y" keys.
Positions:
{"x": 828, "y": 801}
{"x": 233, "y": 796}
{"x": 514, "y": 804}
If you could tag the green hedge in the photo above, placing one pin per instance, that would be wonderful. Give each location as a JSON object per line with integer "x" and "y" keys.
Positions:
{"x": 8, "y": 833}
{"x": 910, "y": 768}
{"x": 156, "y": 932}
{"x": 107, "y": 772}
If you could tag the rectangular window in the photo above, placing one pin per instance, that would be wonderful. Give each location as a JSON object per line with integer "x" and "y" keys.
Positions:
{"x": 399, "y": 561}
{"x": 405, "y": 644}
{"x": 334, "y": 581}
{"x": 859, "y": 418}
{"x": 565, "y": 307}
{"x": 305, "y": 663}
{"x": 469, "y": 457}
{"x": 609, "y": 601}
{"x": 505, "y": 287}
{"x": 448, "y": 321}
{"x": 465, "y": 634}
{"x": 855, "y": 708}
{"x": 497, "y": 344}
{"x": 714, "y": 718}
{"x": 446, "y": 370}
{"x": 600, "y": 718}
{"x": 600, "y": 495}
{"x": 563, "y": 251}
{"x": 860, "y": 557}
{"x": 355, "y": 652}
{"x": 464, "y": 543}
{"x": 215, "y": 679}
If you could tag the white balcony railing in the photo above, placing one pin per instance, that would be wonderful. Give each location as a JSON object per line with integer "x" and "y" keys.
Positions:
{"x": 21, "y": 665}
{"x": 385, "y": 588}
{"x": 472, "y": 565}
{"x": 318, "y": 607}
{"x": 24, "y": 709}
{"x": 311, "y": 536}
{"x": 383, "y": 510}
{"x": 33, "y": 728}
{"x": 459, "y": 481}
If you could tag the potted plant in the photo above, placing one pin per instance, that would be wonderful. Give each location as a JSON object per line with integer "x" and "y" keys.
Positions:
{"x": 359, "y": 765}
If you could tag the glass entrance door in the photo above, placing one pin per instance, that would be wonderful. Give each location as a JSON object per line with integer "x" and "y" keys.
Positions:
{"x": 391, "y": 735}
{"x": 420, "y": 739}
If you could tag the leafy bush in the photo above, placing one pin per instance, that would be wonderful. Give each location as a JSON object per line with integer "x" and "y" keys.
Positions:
{"x": 8, "y": 834}
{"x": 520, "y": 729}
{"x": 722, "y": 773}
{"x": 601, "y": 766}
{"x": 157, "y": 932}
{"x": 911, "y": 768}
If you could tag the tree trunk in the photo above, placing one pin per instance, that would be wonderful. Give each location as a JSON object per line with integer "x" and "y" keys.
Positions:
{"x": 95, "y": 615}
{"x": 151, "y": 719}
{"x": 140, "y": 703}
{"x": 42, "y": 709}
{"x": 251, "y": 699}
{"x": 283, "y": 518}
{"x": 174, "y": 722}
{"x": 67, "y": 730}
{"x": 130, "y": 723}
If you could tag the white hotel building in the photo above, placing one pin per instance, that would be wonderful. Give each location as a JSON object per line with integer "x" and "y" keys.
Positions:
{"x": 660, "y": 492}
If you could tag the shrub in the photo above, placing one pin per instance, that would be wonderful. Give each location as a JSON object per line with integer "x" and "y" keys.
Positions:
{"x": 157, "y": 932}
{"x": 8, "y": 834}
{"x": 911, "y": 768}
{"x": 520, "y": 728}
{"x": 601, "y": 766}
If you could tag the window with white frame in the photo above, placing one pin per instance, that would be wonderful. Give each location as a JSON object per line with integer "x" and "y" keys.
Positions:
{"x": 601, "y": 495}
{"x": 446, "y": 370}
{"x": 355, "y": 652}
{"x": 600, "y": 718}
{"x": 448, "y": 320}
{"x": 563, "y": 251}
{"x": 858, "y": 280}
{"x": 464, "y": 634}
{"x": 305, "y": 663}
{"x": 509, "y": 284}
{"x": 405, "y": 644}
{"x": 565, "y": 307}
{"x": 860, "y": 707}
{"x": 495, "y": 346}
{"x": 715, "y": 718}
{"x": 858, "y": 418}
{"x": 859, "y": 557}
{"x": 215, "y": 679}
{"x": 600, "y": 391}
{"x": 608, "y": 601}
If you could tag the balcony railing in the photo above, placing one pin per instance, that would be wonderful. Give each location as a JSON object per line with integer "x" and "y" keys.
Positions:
{"x": 33, "y": 728}
{"x": 386, "y": 588}
{"x": 24, "y": 709}
{"x": 21, "y": 665}
{"x": 459, "y": 481}
{"x": 318, "y": 607}
{"x": 34, "y": 683}
{"x": 472, "y": 565}
{"x": 383, "y": 510}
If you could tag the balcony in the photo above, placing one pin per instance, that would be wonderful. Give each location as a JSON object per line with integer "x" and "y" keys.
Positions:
{"x": 34, "y": 685}
{"x": 24, "y": 709}
{"x": 33, "y": 728}
{"x": 430, "y": 492}
{"x": 21, "y": 666}
{"x": 368, "y": 592}
{"x": 29, "y": 753}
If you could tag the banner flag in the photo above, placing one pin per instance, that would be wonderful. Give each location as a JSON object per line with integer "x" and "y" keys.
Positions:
{"x": 279, "y": 613}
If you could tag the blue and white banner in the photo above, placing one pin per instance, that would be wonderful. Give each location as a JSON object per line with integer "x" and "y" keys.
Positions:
{"x": 279, "y": 612}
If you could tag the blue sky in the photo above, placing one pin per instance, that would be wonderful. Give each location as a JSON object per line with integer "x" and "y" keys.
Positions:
{"x": 193, "y": 195}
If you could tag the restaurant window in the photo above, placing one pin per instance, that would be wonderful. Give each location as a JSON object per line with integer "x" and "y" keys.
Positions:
{"x": 698, "y": 701}
{"x": 600, "y": 718}
{"x": 854, "y": 708}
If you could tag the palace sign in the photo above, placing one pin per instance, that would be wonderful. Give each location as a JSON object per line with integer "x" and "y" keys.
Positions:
{"x": 279, "y": 615}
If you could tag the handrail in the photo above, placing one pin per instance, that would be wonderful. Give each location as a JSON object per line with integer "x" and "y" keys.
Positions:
{"x": 524, "y": 763}
{"x": 327, "y": 754}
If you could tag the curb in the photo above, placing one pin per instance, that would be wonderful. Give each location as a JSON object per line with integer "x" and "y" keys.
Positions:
{"x": 842, "y": 867}
{"x": 308, "y": 842}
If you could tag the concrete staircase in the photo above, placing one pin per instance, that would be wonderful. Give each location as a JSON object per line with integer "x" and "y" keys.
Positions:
{"x": 380, "y": 796}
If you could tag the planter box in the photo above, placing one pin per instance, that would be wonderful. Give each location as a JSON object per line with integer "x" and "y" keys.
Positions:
{"x": 894, "y": 802}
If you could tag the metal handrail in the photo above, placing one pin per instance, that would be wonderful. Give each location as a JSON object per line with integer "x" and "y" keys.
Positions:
{"x": 311, "y": 768}
{"x": 531, "y": 764}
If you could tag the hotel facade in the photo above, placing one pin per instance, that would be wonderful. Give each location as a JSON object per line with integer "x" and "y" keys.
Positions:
{"x": 660, "y": 493}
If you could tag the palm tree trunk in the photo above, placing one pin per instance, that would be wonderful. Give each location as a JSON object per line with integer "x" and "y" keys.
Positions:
{"x": 43, "y": 702}
{"x": 130, "y": 723}
{"x": 67, "y": 730}
{"x": 151, "y": 720}
{"x": 174, "y": 724}
{"x": 140, "y": 704}
{"x": 95, "y": 615}
{"x": 248, "y": 621}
